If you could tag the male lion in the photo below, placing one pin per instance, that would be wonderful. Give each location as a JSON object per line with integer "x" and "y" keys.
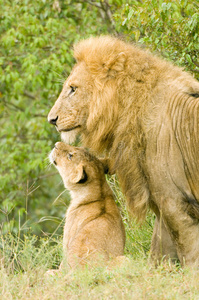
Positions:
{"x": 93, "y": 228}
{"x": 143, "y": 112}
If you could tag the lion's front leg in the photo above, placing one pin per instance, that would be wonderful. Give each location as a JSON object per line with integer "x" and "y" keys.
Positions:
{"x": 162, "y": 246}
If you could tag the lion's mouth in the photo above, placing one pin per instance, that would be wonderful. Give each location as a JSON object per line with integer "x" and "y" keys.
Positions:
{"x": 68, "y": 129}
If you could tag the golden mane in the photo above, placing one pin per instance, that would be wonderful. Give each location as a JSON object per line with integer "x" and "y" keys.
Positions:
{"x": 113, "y": 65}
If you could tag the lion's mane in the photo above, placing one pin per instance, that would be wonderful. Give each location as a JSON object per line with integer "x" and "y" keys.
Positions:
{"x": 131, "y": 89}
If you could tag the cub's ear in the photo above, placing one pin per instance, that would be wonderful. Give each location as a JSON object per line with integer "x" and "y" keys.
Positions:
{"x": 107, "y": 166}
{"x": 79, "y": 175}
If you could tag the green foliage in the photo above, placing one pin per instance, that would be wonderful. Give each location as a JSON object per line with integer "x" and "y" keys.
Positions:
{"x": 168, "y": 27}
{"x": 36, "y": 39}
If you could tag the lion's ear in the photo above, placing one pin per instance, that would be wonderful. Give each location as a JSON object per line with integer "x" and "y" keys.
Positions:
{"x": 107, "y": 166}
{"x": 115, "y": 64}
{"x": 79, "y": 175}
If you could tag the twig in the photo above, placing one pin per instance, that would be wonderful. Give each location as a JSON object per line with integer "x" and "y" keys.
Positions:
{"x": 13, "y": 105}
{"x": 91, "y": 3}
{"x": 195, "y": 63}
{"x": 29, "y": 95}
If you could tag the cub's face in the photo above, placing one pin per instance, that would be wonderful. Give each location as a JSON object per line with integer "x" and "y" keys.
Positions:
{"x": 70, "y": 112}
{"x": 76, "y": 166}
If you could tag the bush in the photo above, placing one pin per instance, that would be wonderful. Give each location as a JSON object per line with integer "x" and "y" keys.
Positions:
{"x": 168, "y": 27}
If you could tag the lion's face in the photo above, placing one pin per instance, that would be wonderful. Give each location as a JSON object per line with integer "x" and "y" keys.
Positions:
{"x": 70, "y": 112}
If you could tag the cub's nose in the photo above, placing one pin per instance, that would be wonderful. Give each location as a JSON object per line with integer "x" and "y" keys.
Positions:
{"x": 53, "y": 121}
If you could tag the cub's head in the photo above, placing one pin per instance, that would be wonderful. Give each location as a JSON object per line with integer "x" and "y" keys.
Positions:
{"x": 77, "y": 166}
{"x": 88, "y": 103}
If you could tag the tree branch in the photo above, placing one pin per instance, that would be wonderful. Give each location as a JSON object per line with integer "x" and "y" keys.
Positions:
{"x": 90, "y": 2}
{"x": 104, "y": 7}
{"x": 13, "y": 105}
{"x": 21, "y": 109}
{"x": 29, "y": 95}
{"x": 107, "y": 9}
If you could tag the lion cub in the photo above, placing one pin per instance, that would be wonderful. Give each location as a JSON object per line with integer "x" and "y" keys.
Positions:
{"x": 93, "y": 227}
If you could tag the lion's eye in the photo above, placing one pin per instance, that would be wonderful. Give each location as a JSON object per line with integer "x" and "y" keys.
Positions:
{"x": 70, "y": 156}
{"x": 72, "y": 89}
{"x": 54, "y": 162}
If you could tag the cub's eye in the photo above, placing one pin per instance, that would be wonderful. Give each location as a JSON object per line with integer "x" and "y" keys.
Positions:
{"x": 54, "y": 162}
{"x": 70, "y": 156}
{"x": 72, "y": 89}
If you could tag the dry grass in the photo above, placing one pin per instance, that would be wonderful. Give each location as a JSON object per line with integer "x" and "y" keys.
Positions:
{"x": 135, "y": 279}
{"x": 25, "y": 260}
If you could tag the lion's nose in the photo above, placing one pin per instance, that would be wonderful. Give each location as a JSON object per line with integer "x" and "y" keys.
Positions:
{"x": 53, "y": 121}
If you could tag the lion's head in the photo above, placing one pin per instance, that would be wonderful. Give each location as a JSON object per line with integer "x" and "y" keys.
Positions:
{"x": 88, "y": 103}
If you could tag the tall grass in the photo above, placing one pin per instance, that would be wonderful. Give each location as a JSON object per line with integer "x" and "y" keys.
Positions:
{"x": 24, "y": 261}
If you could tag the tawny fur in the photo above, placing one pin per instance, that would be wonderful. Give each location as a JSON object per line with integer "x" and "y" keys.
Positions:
{"x": 143, "y": 112}
{"x": 93, "y": 229}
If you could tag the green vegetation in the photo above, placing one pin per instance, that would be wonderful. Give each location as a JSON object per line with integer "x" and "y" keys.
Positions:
{"x": 36, "y": 55}
{"x": 36, "y": 39}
